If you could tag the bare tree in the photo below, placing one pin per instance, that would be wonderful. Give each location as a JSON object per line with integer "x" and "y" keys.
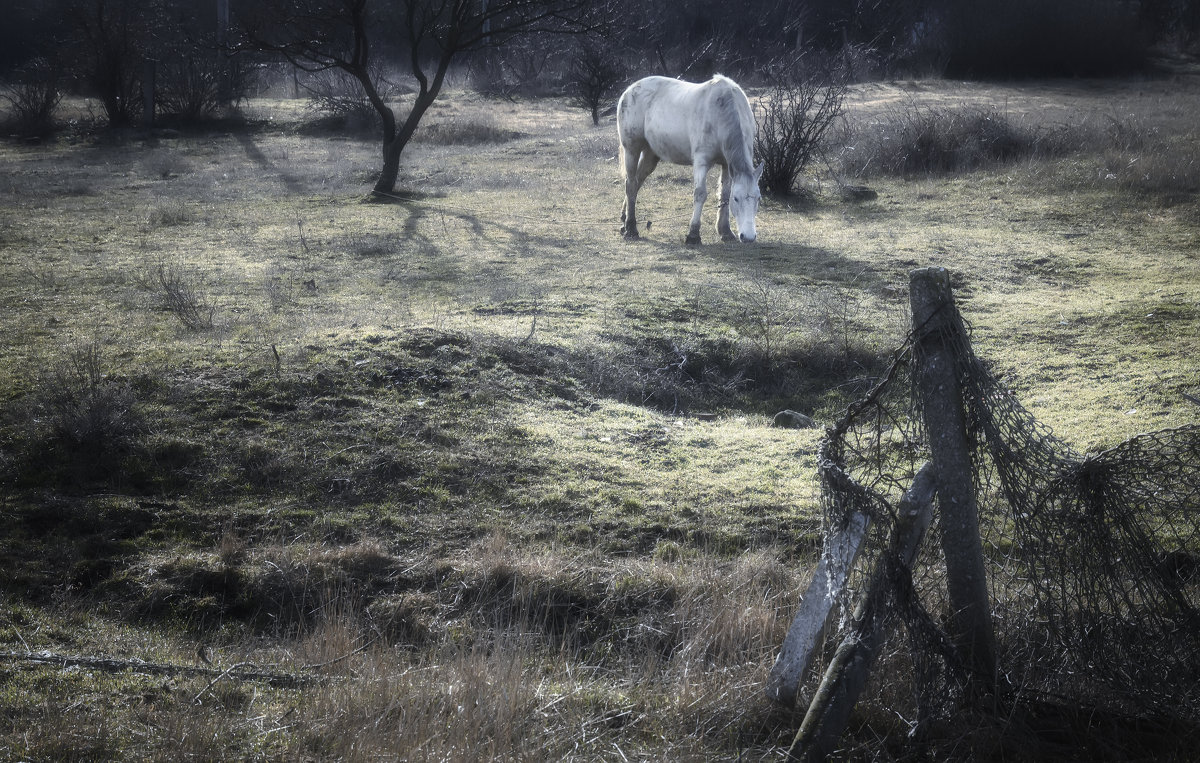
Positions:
{"x": 317, "y": 35}
{"x": 111, "y": 38}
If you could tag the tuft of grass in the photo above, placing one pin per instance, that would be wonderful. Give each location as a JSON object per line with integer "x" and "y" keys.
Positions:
{"x": 915, "y": 141}
{"x": 169, "y": 213}
{"x": 182, "y": 295}
{"x": 469, "y": 130}
{"x": 1151, "y": 166}
{"x": 81, "y": 421}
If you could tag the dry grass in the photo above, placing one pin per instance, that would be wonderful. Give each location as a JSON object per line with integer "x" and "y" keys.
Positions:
{"x": 447, "y": 447}
{"x": 520, "y": 669}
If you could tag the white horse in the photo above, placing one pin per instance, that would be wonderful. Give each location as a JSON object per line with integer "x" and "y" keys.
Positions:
{"x": 697, "y": 124}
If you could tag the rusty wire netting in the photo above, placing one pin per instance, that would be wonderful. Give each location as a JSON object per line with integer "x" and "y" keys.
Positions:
{"x": 1094, "y": 561}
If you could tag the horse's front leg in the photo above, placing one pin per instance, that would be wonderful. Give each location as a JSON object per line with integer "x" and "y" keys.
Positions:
{"x": 723, "y": 229}
{"x": 700, "y": 171}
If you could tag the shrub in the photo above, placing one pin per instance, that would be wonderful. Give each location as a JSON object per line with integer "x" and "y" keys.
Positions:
{"x": 33, "y": 97}
{"x": 194, "y": 87}
{"x": 595, "y": 75}
{"x": 795, "y": 116}
{"x": 109, "y": 45}
{"x": 183, "y": 297}
{"x": 83, "y": 420}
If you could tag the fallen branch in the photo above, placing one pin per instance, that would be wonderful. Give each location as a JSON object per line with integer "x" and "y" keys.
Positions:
{"x": 238, "y": 671}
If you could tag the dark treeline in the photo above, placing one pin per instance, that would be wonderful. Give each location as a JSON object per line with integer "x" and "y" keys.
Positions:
{"x": 880, "y": 38}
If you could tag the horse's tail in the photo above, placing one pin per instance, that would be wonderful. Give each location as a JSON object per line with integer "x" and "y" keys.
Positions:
{"x": 621, "y": 160}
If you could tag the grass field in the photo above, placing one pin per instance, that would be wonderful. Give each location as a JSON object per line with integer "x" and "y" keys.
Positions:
{"x": 497, "y": 483}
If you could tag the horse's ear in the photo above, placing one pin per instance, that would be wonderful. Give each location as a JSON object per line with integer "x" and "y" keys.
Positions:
{"x": 758, "y": 171}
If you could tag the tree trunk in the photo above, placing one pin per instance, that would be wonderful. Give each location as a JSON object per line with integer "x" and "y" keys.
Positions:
{"x": 395, "y": 140}
{"x": 393, "y": 148}
{"x": 386, "y": 182}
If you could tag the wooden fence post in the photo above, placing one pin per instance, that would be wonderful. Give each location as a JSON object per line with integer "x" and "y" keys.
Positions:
{"x": 937, "y": 328}
{"x": 847, "y": 673}
{"x": 805, "y": 635}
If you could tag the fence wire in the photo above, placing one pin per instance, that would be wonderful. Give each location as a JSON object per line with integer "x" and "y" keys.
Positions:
{"x": 1094, "y": 560}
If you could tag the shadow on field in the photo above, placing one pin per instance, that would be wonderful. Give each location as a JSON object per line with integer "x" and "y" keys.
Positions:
{"x": 767, "y": 256}
{"x": 512, "y": 237}
{"x": 810, "y": 263}
{"x": 255, "y": 154}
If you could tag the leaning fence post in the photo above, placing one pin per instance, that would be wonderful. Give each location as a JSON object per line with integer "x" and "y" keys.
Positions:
{"x": 848, "y": 671}
{"x": 803, "y": 642}
{"x": 937, "y": 328}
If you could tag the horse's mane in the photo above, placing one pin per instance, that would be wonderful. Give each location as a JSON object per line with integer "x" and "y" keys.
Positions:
{"x": 736, "y": 144}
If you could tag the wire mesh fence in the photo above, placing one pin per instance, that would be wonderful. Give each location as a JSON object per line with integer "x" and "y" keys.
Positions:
{"x": 1093, "y": 560}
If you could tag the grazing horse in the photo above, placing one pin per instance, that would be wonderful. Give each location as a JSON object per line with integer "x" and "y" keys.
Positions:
{"x": 697, "y": 124}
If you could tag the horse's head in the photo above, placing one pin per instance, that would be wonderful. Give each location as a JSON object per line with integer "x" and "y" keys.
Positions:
{"x": 743, "y": 202}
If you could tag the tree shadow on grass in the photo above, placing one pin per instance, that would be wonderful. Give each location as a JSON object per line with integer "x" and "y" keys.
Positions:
{"x": 292, "y": 183}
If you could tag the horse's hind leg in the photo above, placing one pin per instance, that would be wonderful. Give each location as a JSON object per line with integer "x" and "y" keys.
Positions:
{"x": 625, "y": 179}
{"x": 723, "y": 229}
{"x": 638, "y": 166}
{"x": 629, "y": 169}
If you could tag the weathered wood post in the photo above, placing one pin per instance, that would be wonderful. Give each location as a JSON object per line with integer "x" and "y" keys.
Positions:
{"x": 848, "y": 671}
{"x": 937, "y": 328}
{"x": 803, "y": 642}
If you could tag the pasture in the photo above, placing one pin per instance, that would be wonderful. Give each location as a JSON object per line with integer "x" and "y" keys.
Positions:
{"x": 499, "y": 483}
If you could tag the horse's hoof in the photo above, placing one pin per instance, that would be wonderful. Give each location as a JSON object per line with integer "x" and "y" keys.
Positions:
{"x": 630, "y": 235}
{"x": 693, "y": 239}
{"x": 727, "y": 237}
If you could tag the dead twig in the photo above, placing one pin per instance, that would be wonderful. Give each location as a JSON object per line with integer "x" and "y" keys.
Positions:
{"x": 227, "y": 671}
{"x": 335, "y": 660}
